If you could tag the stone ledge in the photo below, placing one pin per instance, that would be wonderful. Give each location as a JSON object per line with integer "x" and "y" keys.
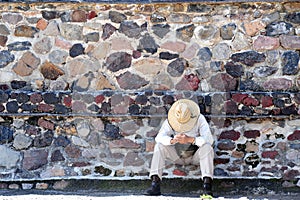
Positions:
{"x": 188, "y": 187}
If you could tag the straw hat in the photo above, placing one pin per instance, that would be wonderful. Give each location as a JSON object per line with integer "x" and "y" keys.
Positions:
{"x": 183, "y": 115}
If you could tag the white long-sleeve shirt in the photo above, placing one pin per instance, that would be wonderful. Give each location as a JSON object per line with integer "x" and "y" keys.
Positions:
{"x": 200, "y": 131}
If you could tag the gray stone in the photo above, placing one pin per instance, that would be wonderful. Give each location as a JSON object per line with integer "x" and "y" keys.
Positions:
{"x": 79, "y": 142}
{"x": 43, "y": 140}
{"x": 248, "y": 58}
{"x": 58, "y": 56}
{"x": 4, "y": 30}
{"x": 221, "y": 51}
{"x": 133, "y": 159}
{"x": 27, "y": 64}
{"x": 22, "y": 141}
{"x": 185, "y": 33}
{"x": 293, "y": 17}
{"x": 269, "y": 18}
{"x": 272, "y": 56}
{"x": 6, "y": 134}
{"x": 48, "y": 15}
{"x": 130, "y": 29}
{"x": 129, "y": 81}
{"x": 228, "y": 31}
{"x": 161, "y": 30}
{"x": 108, "y": 30}
{"x": 19, "y": 46}
{"x": 76, "y": 50}
{"x": 34, "y": 159}
{"x": 279, "y": 28}
{"x": 177, "y": 67}
{"x": 118, "y": 61}
{"x": 92, "y": 37}
{"x": 290, "y": 61}
{"x": 148, "y": 44}
{"x": 12, "y": 18}
{"x": 116, "y": 17}
{"x": 204, "y": 54}
{"x": 8, "y": 157}
{"x": 264, "y": 71}
{"x": 83, "y": 129}
{"x": 25, "y": 31}
{"x": 71, "y": 31}
{"x": 157, "y": 18}
{"x": 240, "y": 42}
{"x": 179, "y": 18}
{"x": 234, "y": 70}
{"x": 5, "y": 58}
{"x": 207, "y": 32}
{"x": 52, "y": 29}
{"x": 43, "y": 46}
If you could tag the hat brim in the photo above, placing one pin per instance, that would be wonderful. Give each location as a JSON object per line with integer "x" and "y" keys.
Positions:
{"x": 184, "y": 127}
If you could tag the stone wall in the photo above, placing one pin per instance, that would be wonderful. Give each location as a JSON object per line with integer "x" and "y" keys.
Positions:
{"x": 85, "y": 87}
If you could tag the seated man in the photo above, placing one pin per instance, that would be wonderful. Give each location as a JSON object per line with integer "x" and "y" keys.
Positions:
{"x": 184, "y": 126}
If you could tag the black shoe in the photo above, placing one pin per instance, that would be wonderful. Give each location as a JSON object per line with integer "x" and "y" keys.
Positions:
{"x": 207, "y": 186}
{"x": 154, "y": 190}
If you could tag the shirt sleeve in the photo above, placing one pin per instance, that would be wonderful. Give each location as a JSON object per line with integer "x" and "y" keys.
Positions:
{"x": 205, "y": 135}
{"x": 165, "y": 133}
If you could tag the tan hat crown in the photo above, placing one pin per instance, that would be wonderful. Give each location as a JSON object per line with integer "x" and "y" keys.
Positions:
{"x": 182, "y": 113}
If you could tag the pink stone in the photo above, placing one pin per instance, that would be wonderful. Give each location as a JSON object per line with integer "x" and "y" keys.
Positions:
{"x": 119, "y": 44}
{"x": 45, "y": 107}
{"x": 278, "y": 84}
{"x": 42, "y": 24}
{"x": 62, "y": 43}
{"x": 45, "y": 124}
{"x": 253, "y": 27}
{"x": 290, "y": 41}
{"x": 174, "y": 46}
{"x": 266, "y": 43}
{"x": 99, "y": 99}
{"x": 191, "y": 51}
{"x": 124, "y": 143}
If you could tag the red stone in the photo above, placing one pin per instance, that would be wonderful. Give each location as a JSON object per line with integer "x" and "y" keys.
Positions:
{"x": 231, "y": 135}
{"x": 252, "y": 134}
{"x": 266, "y": 101}
{"x": 99, "y": 99}
{"x": 179, "y": 172}
{"x": 136, "y": 54}
{"x": 249, "y": 101}
{"x": 92, "y": 14}
{"x": 269, "y": 154}
{"x": 193, "y": 81}
{"x": 68, "y": 101}
{"x": 294, "y": 136}
{"x": 239, "y": 97}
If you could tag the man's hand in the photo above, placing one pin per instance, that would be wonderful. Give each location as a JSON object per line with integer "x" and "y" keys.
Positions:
{"x": 182, "y": 139}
